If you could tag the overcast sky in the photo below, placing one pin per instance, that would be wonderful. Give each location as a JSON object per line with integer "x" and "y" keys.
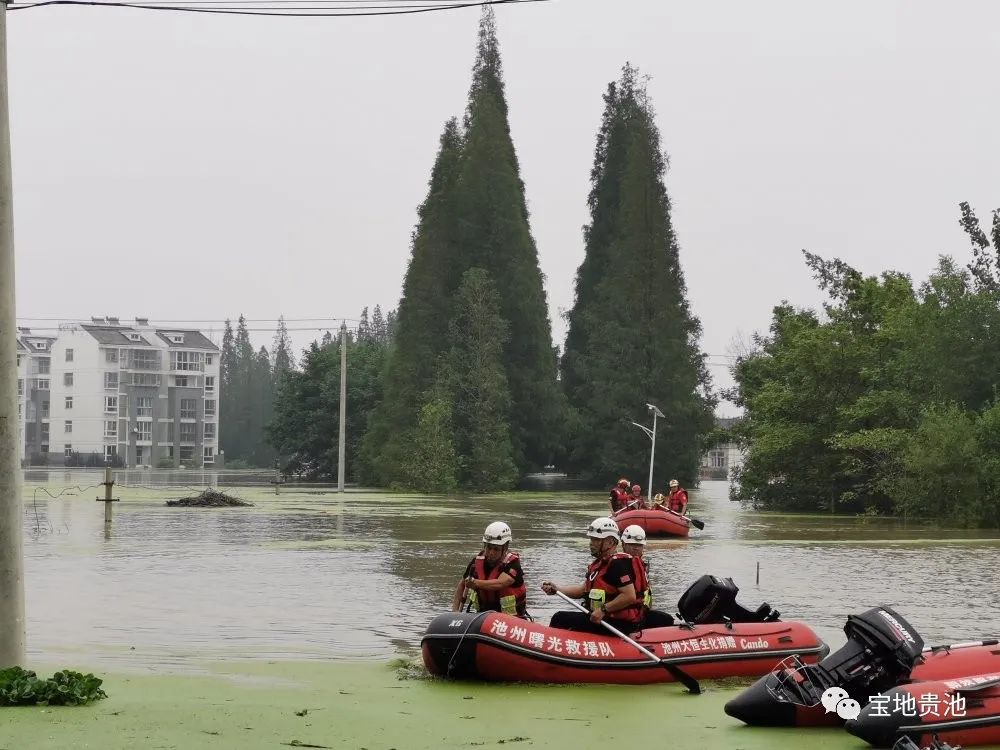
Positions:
{"x": 183, "y": 166}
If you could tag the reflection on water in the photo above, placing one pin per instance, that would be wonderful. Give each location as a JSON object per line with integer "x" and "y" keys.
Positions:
{"x": 323, "y": 575}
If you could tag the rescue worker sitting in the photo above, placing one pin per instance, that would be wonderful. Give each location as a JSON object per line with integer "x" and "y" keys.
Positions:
{"x": 677, "y": 500}
{"x": 609, "y": 587}
{"x": 659, "y": 502}
{"x": 636, "y": 501}
{"x": 634, "y": 544}
{"x": 494, "y": 579}
{"x": 619, "y": 495}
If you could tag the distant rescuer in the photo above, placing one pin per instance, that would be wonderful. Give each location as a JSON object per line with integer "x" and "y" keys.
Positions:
{"x": 677, "y": 500}
{"x": 609, "y": 586}
{"x": 619, "y": 495}
{"x": 636, "y": 499}
{"x": 494, "y": 579}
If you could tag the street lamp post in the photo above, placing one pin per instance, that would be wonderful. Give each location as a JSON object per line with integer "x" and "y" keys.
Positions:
{"x": 651, "y": 434}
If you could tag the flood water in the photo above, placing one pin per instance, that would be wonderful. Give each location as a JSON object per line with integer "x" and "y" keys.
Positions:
{"x": 320, "y": 575}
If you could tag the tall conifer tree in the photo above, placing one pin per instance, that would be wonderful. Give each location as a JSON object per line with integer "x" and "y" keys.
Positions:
{"x": 634, "y": 338}
{"x": 495, "y": 235}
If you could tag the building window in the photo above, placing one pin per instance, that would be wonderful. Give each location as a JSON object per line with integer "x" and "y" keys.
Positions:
{"x": 145, "y": 378}
{"x": 68, "y": 450}
{"x": 177, "y": 338}
{"x": 69, "y": 402}
{"x": 210, "y": 407}
{"x": 40, "y": 384}
{"x": 189, "y": 408}
{"x": 111, "y": 356}
{"x": 111, "y": 380}
{"x": 68, "y": 425}
{"x": 111, "y": 428}
{"x": 209, "y": 430}
{"x": 717, "y": 459}
{"x": 110, "y": 451}
{"x": 188, "y": 432}
{"x": 45, "y": 409}
{"x": 144, "y": 406}
{"x": 123, "y": 406}
{"x": 45, "y": 434}
{"x": 145, "y": 360}
{"x": 40, "y": 366}
{"x": 209, "y": 454}
{"x": 208, "y": 359}
{"x": 209, "y": 384}
{"x": 110, "y": 404}
{"x": 67, "y": 378}
{"x": 144, "y": 431}
{"x": 181, "y": 381}
{"x": 185, "y": 361}
{"x": 18, "y": 360}
{"x": 187, "y": 452}
{"x": 69, "y": 355}
{"x": 20, "y": 386}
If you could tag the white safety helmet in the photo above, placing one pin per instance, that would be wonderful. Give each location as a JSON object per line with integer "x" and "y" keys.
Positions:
{"x": 634, "y": 534}
{"x": 602, "y": 528}
{"x": 497, "y": 533}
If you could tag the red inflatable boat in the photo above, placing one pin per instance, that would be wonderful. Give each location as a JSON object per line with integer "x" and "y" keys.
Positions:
{"x": 654, "y": 522}
{"x": 882, "y": 652}
{"x": 492, "y": 646}
{"x": 963, "y": 711}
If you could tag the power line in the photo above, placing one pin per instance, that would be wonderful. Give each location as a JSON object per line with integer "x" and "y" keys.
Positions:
{"x": 324, "y": 8}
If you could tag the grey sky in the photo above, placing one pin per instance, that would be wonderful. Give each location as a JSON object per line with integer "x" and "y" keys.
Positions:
{"x": 185, "y": 166}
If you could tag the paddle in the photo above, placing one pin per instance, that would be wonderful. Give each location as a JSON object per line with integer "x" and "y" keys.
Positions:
{"x": 682, "y": 677}
{"x": 698, "y": 524}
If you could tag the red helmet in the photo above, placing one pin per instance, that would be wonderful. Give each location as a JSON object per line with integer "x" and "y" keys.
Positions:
{"x": 636, "y": 488}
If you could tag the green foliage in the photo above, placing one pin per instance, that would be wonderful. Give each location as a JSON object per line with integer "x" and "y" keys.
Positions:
{"x": 474, "y": 216}
{"x": 20, "y": 687}
{"x": 305, "y": 429}
{"x": 884, "y": 405}
{"x": 632, "y": 338}
{"x": 432, "y": 464}
{"x": 476, "y": 383}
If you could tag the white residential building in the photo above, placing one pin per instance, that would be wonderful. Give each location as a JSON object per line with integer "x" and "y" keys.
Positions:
{"x": 140, "y": 394}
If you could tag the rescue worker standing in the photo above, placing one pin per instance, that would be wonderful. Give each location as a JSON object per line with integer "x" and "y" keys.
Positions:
{"x": 494, "y": 579}
{"x": 609, "y": 586}
{"x": 619, "y": 495}
{"x": 634, "y": 544}
{"x": 677, "y": 500}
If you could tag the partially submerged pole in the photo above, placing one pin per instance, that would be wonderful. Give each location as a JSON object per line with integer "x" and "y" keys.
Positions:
{"x": 12, "y": 627}
{"x": 341, "y": 448}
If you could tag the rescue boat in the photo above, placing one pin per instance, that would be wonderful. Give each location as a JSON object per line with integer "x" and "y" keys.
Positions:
{"x": 882, "y": 652}
{"x": 496, "y": 647}
{"x": 654, "y": 522}
{"x": 964, "y": 711}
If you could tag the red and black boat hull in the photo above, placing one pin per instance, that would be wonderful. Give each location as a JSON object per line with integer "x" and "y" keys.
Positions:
{"x": 963, "y": 711}
{"x": 491, "y": 646}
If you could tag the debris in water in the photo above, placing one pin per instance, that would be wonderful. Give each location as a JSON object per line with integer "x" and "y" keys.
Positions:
{"x": 209, "y": 499}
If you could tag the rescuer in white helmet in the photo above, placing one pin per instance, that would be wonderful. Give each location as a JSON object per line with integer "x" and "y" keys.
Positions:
{"x": 494, "y": 579}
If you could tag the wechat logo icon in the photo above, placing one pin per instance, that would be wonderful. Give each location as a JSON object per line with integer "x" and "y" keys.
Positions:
{"x": 837, "y": 700}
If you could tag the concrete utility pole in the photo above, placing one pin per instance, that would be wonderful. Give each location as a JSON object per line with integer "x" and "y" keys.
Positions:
{"x": 12, "y": 630}
{"x": 343, "y": 407}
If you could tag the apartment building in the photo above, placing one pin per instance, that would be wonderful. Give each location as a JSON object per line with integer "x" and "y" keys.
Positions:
{"x": 139, "y": 394}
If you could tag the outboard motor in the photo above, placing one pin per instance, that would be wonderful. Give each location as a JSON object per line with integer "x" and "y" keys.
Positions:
{"x": 881, "y": 651}
{"x": 711, "y": 600}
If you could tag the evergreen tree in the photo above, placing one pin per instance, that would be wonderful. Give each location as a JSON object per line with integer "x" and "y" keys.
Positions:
{"x": 494, "y": 234}
{"x": 422, "y": 319}
{"x": 635, "y": 340}
{"x": 282, "y": 359}
{"x": 227, "y": 402}
{"x": 477, "y": 386}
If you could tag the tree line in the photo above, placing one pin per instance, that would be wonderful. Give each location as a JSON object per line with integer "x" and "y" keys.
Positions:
{"x": 465, "y": 390}
{"x": 885, "y": 402}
